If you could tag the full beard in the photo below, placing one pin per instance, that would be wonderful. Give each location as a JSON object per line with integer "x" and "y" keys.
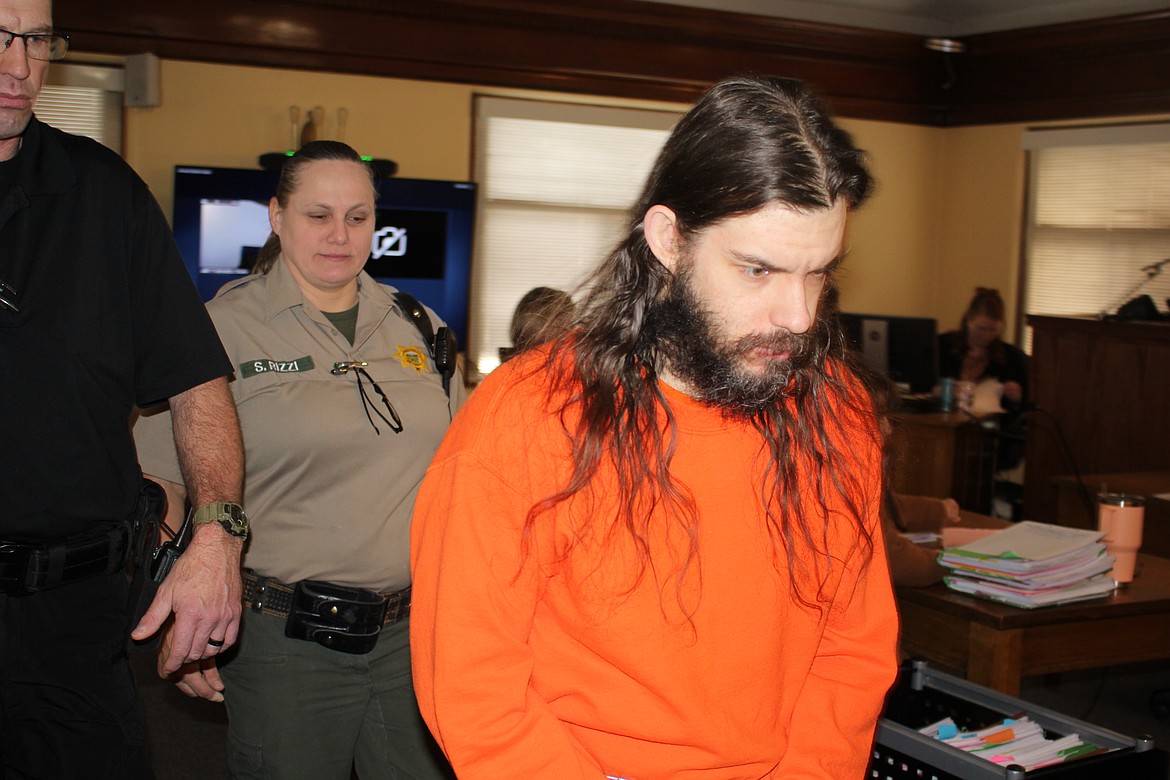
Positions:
{"x": 691, "y": 345}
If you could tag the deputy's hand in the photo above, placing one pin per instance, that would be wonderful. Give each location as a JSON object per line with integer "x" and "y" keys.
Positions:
{"x": 198, "y": 679}
{"x": 203, "y": 592}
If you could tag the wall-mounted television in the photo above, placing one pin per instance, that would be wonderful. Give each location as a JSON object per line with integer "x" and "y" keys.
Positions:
{"x": 905, "y": 349}
{"x": 422, "y": 239}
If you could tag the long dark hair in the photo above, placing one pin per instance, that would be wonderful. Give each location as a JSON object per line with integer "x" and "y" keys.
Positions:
{"x": 290, "y": 179}
{"x": 747, "y": 143}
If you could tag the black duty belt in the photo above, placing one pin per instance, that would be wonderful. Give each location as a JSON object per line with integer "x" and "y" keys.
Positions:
{"x": 336, "y": 616}
{"x": 33, "y": 566}
{"x": 272, "y": 597}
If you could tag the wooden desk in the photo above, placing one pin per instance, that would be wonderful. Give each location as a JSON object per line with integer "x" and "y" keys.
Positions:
{"x": 1101, "y": 386}
{"x": 1071, "y": 510}
{"x": 945, "y": 455}
{"x": 996, "y": 645}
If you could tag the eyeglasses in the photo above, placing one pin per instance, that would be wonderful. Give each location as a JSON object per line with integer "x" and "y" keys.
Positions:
{"x": 359, "y": 370}
{"x": 38, "y": 46}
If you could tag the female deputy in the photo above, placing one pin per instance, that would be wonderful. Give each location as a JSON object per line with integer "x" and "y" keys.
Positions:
{"x": 342, "y": 410}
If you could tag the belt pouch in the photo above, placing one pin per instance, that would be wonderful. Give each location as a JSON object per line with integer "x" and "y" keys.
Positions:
{"x": 334, "y": 616}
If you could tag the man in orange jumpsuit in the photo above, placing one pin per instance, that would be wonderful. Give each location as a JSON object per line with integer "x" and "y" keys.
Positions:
{"x": 651, "y": 549}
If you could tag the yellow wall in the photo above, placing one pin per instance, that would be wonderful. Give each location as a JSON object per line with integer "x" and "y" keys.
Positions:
{"x": 982, "y": 197}
{"x": 890, "y": 268}
{"x": 220, "y": 115}
{"x": 944, "y": 216}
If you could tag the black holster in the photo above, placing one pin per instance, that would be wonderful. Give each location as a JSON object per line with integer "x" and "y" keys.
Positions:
{"x": 149, "y": 562}
{"x": 335, "y": 616}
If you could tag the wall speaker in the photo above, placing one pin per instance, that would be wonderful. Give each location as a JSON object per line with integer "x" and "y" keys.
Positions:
{"x": 142, "y": 81}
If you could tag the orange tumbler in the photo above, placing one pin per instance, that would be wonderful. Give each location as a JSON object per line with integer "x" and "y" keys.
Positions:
{"x": 1121, "y": 517}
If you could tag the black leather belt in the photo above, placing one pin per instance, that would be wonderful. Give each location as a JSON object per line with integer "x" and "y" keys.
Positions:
{"x": 272, "y": 597}
{"x": 29, "y": 567}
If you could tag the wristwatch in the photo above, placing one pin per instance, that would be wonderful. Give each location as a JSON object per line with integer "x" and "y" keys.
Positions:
{"x": 230, "y": 516}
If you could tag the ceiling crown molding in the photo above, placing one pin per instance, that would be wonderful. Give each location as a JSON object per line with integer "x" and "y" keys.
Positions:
{"x": 628, "y": 48}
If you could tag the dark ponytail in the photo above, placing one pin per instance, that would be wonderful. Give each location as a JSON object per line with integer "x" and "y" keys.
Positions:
{"x": 290, "y": 174}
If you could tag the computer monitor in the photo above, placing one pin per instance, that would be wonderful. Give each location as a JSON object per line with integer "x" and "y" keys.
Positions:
{"x": 422, "y": 239}
{"x": 905, "y": 349}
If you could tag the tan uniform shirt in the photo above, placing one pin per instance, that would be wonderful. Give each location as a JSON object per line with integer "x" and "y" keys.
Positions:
{"x": 329, "y": 498}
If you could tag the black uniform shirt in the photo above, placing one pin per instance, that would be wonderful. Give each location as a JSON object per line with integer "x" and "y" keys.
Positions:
{"x": 7, "y": 177}
{"x": 109, "y": 318}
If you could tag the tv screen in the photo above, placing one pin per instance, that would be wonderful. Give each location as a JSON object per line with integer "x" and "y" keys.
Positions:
{"x": 422, "y": 239}
{"x": 905, "y": 349}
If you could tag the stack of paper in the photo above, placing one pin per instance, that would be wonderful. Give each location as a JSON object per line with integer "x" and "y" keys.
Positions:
{"x": 1013, "y": 741}
{"x": 1031, "y": 565}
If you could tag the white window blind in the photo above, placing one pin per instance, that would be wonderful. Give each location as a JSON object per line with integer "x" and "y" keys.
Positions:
{"x": 1099, "y": 218}
{"x": 84, "y": 100}
{"x": 556, "y": 181}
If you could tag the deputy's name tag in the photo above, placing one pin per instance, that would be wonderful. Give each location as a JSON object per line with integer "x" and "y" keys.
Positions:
{"x": 251, "y": 368}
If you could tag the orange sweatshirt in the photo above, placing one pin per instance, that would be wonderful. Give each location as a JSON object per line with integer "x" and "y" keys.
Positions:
{"x": 562, "y": 663}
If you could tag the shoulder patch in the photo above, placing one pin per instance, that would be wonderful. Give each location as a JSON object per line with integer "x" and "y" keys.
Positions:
{"x": 251, "y": 368}
{"x": 413, "y": 357}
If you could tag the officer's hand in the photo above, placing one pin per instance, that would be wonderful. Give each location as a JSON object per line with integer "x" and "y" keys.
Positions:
{"x": 203, "y": 591}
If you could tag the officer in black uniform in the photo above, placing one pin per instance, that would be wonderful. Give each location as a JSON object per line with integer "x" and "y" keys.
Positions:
{"x": 97, "y": 316}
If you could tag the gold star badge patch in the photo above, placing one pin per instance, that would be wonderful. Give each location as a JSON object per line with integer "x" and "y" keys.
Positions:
{"x": 412, "y": 357}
